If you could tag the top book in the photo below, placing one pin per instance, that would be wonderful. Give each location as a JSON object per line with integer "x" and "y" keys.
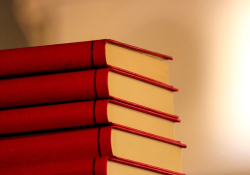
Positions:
{"x": 83, "y": 55}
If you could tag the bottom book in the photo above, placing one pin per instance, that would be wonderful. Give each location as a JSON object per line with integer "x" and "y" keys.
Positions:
{"x": 69, "y": 145}
{"x": 89, "y": 166}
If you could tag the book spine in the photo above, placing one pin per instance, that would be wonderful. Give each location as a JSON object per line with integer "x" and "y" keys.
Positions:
{"x": 84, "y": 166}
{"x": 52, "y": 58}
{"x": 52, "y": 147}
{"x": 53, "y": 116}
{"x": 100, "y": 166}
{"x": 99, "y": 53}
{"x": 54, "y": 88}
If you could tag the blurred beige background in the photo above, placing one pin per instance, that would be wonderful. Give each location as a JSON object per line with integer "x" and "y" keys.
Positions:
{"x": 209, "y": 41}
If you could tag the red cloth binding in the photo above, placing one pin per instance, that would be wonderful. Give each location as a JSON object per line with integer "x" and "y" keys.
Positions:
{"x": 61, "y": 87}
{"x": 105, "y": 141}
{"x": 80, "y": 167}
{"x": 51, "y": 117}
{"x": 43, "y": 59}
{"x": 47, "y": 89}
{"x": 101, "y": 166}
{"x": 101, "y": 113}
{"x": 59, "y": 57}
{"x": 49, "y": 147}
{"x": 62, "y": 116}
{"x": 53, "y": 147}
{"x": 102, "y": 83}
{"x": 75, "y": 167}
{"x": 99, "y": 53}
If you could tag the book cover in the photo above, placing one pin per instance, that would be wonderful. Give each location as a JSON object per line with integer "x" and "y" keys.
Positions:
{"x": 75, "y": 114}
{"x": 82, "y": 55}
{"x": 70, "y": 145}
{"x": 89, "y": 166}
{"x": 86, "y": 85}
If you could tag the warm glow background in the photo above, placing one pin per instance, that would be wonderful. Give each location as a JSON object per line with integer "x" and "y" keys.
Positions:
{"x": 210, "y": 43}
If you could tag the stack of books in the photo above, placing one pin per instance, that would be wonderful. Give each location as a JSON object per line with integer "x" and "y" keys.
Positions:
{"x": 95, "y": 108}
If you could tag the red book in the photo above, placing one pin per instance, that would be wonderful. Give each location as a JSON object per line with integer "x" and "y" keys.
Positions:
{"x": 84, "y": 85}
{"x": 71, "y": 145}
{"x": 83, "y": 55}
{"x": 85, "y": 113}
{"x": 89, "y": 166}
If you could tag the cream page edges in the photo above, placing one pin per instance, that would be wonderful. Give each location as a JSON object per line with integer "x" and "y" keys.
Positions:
{"x": 138, "y": 62}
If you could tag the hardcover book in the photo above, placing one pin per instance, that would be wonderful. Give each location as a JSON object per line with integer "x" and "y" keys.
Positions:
{"x": 83, "y": 55}
{"x": 85, "y": 85}
{"x": 86, "y": 113}
{"x": 90, "y": 166}
{"x": 115, "y": 140}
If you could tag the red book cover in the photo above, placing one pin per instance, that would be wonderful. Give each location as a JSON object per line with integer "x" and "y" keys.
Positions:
{"x": 71, "y": 145}
{"x": 63, "y": 87}
{"x": 59, "y": 57}
{"x": 64, "y": 115}
{"x": 87, "y": 166}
